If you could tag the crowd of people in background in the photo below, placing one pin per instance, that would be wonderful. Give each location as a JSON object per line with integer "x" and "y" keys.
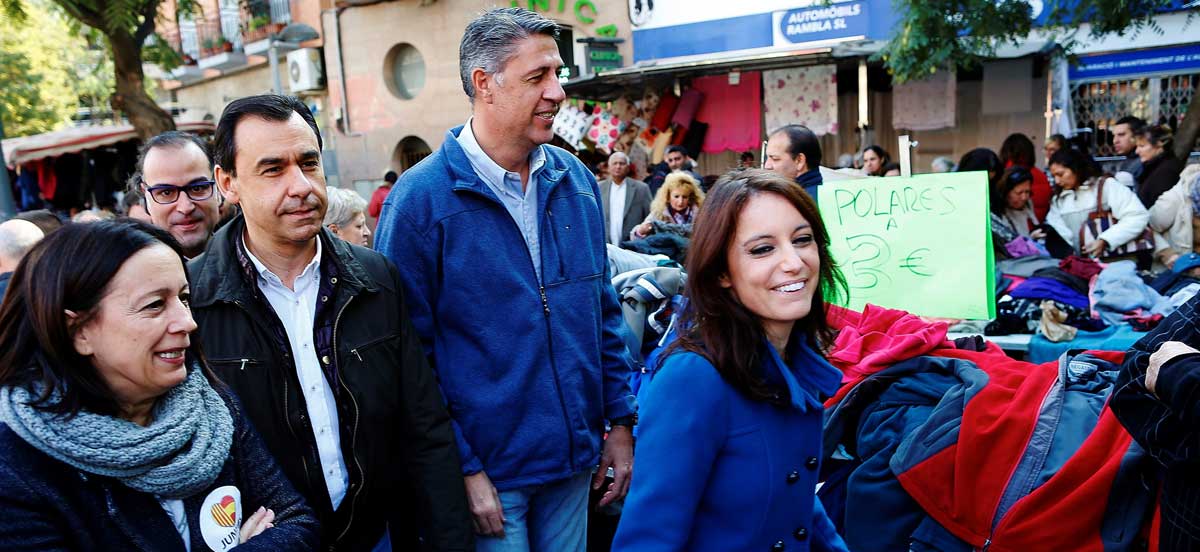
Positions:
{"x": 240, "y": 359}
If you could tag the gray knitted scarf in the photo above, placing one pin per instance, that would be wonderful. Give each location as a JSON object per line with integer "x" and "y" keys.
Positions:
{"x": 179, "y": 454}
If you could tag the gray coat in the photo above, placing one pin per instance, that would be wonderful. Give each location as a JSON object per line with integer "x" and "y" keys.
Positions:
{"x": 637, "y": 205}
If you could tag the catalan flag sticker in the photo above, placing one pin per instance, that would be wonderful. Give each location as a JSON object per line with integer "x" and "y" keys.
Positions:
{"x": 225, "y": 511}
{"x": 221, "y": 518}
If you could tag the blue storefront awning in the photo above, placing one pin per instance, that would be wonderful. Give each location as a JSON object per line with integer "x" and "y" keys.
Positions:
{"x": 1131, "y": 63}
{"x": 817, "y": 24}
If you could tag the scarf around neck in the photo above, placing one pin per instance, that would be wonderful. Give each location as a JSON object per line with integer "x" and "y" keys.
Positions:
{"x": 680, "y": 217}
{"x": 179, "y": 454}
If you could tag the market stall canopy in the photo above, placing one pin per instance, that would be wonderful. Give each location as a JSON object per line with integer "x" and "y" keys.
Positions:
{"x": 18, "y": 151}
{"x": 609, "y": 85}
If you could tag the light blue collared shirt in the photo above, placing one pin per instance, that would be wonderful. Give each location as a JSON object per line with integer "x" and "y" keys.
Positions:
{"x": 522, "y": 205}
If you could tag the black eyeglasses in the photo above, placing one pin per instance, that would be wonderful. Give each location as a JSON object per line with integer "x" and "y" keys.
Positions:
{"x": 166, "y": 194}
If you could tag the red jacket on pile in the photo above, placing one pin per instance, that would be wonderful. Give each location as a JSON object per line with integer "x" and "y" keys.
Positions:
{"x": 1032, "y": 459}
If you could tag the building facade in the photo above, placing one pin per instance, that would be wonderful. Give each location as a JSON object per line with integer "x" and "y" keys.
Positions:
{"x": 394, "y": 85}
{"x": 227, "y": 47}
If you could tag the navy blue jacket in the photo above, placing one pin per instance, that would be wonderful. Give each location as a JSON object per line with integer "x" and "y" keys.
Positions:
{"x": 810, "y": 181}
{"x": 530, "y": 370}
{"x": 717, "y": 471}
{"x": 50, "y": 506}
{"x": 1167, "y": 421}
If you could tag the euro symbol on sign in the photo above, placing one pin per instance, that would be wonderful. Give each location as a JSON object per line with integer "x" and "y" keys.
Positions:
{"x": 915, "y": 262}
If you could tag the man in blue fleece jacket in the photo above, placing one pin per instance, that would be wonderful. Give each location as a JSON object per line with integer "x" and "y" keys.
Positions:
{"x": 499, "y": 238}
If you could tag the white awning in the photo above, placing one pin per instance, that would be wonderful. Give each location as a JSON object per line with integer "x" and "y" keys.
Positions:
{"x": 18, "y": 151}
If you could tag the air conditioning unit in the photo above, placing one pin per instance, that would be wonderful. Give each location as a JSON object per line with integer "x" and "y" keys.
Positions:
{"x": 306, "y": 72}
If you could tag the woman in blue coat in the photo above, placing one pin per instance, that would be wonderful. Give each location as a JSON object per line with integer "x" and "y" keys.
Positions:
{"x": 115, "y": 434}
{"x": 730, "y": 442}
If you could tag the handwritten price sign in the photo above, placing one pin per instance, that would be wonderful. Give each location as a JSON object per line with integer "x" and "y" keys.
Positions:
{"x": 921, "y": 244}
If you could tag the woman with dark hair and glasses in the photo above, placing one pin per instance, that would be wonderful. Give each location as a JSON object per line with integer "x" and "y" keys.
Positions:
{"x": 731, "y": 423}
{"x": 116, "y": 435}
{"x": 1018, "y": 151}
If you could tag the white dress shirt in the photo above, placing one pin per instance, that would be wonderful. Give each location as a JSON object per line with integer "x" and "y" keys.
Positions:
{"x": 297, "y": 309}
{"x": 178, "y": 515}
{"x": 616, "y": 212}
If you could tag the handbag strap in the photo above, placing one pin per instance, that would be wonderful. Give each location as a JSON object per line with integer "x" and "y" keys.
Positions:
{"x": 1100, "y": 212}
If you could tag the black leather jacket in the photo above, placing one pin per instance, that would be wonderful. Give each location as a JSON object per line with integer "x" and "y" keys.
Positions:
{"x": 396, "y": 436}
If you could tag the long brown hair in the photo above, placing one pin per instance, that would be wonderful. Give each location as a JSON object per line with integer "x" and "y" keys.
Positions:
{"x": 715, "y": 324}
{"x": 70, "y": 270}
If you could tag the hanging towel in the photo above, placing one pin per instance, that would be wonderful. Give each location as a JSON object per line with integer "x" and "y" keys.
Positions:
{"x": 47, "y": 178}
{"x": 604, "y": 131}
{"x": 659, "y": 149}
{"x": 733, "y": 112}
{"x": 662, "y": 115}
{"x": 803, "y": 96}
{"x": 693, "y": 141}
{"x": 927, "y": 104}
{"x": 27, "y": 182}
{"x": 689, "y": 104}
{"x": 570, "y": 124}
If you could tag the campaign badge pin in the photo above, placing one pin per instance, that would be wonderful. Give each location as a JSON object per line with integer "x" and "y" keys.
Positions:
{"x": 221, "y": 518}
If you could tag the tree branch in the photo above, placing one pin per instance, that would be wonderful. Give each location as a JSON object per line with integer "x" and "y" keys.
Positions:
{"x": 149, "y": 12}
{"x": 84, "y": 14}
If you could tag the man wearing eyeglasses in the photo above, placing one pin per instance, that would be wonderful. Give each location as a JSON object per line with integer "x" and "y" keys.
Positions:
{"x": 175, "y": 176}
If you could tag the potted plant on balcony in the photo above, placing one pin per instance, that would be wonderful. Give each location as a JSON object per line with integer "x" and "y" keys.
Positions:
{"x": 223, "y": 45}
{"x": 256, "y": 28}
{"x": 208, "y": 47}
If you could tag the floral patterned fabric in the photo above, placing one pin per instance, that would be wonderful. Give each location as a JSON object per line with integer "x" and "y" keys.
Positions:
{"x": 605, "y": 129}
{"x": 802, "y": 96}
{"x": 926, "y": 104}
{"x": 571, "y": 124}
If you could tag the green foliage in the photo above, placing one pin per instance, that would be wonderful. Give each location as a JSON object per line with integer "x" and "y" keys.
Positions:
{"x": 257, "y": 22}
{"x": 159, "y": 52}
{"x": 938, "y": 34}
{"x": 23, "y": 103}
{"x": 44, "y": 70}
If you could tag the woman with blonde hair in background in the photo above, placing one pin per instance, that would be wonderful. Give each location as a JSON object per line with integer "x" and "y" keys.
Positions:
{"x": 677, "y": 202}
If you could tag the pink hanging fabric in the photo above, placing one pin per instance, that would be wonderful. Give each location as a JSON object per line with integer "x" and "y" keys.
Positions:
{"x": 733, "y": 112}
{"x": 689, "y": 103}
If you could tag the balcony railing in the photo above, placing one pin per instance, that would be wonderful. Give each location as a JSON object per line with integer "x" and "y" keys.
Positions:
{"x": 212, "y": 37}
{"x": 281, "y": 11}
